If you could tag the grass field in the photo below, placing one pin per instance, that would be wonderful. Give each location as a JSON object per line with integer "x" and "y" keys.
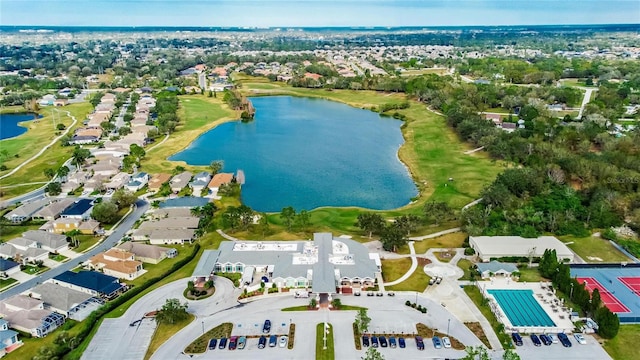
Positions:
{"x": 164, "y": 332}
{"x": 199, "y": 345}
{"x": 418, "y": 281}
{"x": 466, "y": 266}
{"x": 593, "y": 249}
{"x": 530, "y": 275}
{"x": 393, "y": 269}
{"x": 321, "y": 352}
{"x": 623, "y": 346}
{"x": 6, "y": 282}
{"x": 40, "y": 133}
{"x": 418, "y": 72}
{"x": 448, "y": 241}
{"x": 197, "y": 114}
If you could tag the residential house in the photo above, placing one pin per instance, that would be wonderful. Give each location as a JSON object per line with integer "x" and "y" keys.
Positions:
{"x": 83, "y": 139}
{"x": 180, "y": 181}
{"x": 137, "y": 181}
{"x": 47, "y": 241}
{"x": 80, "y": 209}
{"x": 86, "y": 227}
{"x": 200, "y": 181}
{"x": 98, "y": 118}
{"x": 71, "y": 303}
{"x": 25, "y": 212}
{"x": 91, "y": 282}
{"x": 27, "y": 314}
{"x": 118, "y": 181}
{"x": 171, "y": 236}
{"x": 155, "y": 183}
{"x": 496, "y": 268}
{"x": 171, "y": 212}
{"x": 120, "y": 264}
{"x": 190, "y": 222}
{"x": 61, "y": 102}
{"x": 47, "y": 100}
{"x": 495, "y": 118}
{"x": 8, "y": 268}
{"x": 53, "y": 210}
{"x": 147, "y": 253}
{"x": 8, "y": 339}
{"x": 184, "y": 202}
{"x": 23, "y": 250}
{"x": 219, "y": 180}
{"x": 105, "y": 168}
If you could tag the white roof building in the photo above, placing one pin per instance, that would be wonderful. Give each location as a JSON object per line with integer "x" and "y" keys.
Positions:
{"x": 493, "y": 247}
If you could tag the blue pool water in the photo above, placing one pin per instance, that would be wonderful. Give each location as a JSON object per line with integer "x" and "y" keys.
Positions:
{"x": 521, "y": 308}
{"x": 307, "y": 153}
{"x": 9, "y": 124}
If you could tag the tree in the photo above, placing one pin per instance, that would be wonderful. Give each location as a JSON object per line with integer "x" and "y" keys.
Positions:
{"x": 137, "y": 151}
{"x": 79, "y": 156}
{"x": 596, "y": 301}
{"x": 392, "y": 238}
{"x": 105, "y": 212}
{"x": 509, "y": 354}
{"x": 362, "y": 321}
{"x": 172, "y": 312}
{"x": 53, "y": 188}
{"x": 63, "y": 172}
{"x": 216, "y": 166}
{"x": 49, "y": 173}
{"x": 231, "y": 217}
{"x": 437, "y": 211}
{"x": 336, "y": 303}
{"x": 73, "y": 235}
{"x": 287, "y": 215}
{"x": 608, "y": 323}
{"x": 125, "y": 130}
{"x": 313, "y": 303}
{"x": 370, "y": 222}
{"x": 245, "y": 215}
{"x": 264, "y": 224}
{"x": 476, "y": 353}
{"x": 124, "y": 198}
{"x": 302, "y": 219}
{"x": 407, "y": 223}
{"x": 372, "y": 354}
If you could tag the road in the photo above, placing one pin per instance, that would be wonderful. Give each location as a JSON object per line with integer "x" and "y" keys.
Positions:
{"x": 123, "y": 110}
{"x": 585, "y": 100}
{"x": 140, "y": 207}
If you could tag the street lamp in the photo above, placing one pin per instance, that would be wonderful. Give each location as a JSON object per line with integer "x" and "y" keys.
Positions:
{"x": 448, "y": 323}
{"x": 571, "y": 294}
{"x": 203, "y": 326}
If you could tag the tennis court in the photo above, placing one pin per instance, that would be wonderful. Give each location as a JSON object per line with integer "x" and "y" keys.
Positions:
{"x": 632, "y": 283}
{"x": 608, "y": 299}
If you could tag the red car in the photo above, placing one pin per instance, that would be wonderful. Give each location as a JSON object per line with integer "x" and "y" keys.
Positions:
{"x": 233, "y": 342}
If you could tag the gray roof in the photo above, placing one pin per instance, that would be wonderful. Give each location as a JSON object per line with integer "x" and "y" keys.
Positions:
{"x": 324, "y": 277}
{"x": 206, "y": 263}
{"x": 227, "y": 255}
{"x": 7, "y": 250}
{"x": 46, "y": 238}
{"x": 54, "y": 209}
{"x": 363, "y": 266}
{"x": 172, "y": 234}
{"x": 171, "y": 212}
{"x": 496, "y": 266}
{"x": 186, "y": 201}
{"x": 190, "y": 222}
{"x": 144, "y": 250}
{"x": 23, "y": 242}
{"x": 59, "y": 297}
{"x": 28, "y": 209}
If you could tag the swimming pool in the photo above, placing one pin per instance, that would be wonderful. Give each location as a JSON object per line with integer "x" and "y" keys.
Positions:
{"x": 521, "y": 308}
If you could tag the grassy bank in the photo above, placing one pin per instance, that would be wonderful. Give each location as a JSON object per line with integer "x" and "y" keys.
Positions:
{"x": 622, "y": 347}
{"x": 321, "y": 352}
{"x": 594, "y": 249}
{"x": 199, "y": 345}
{"x": 164, "y": 332}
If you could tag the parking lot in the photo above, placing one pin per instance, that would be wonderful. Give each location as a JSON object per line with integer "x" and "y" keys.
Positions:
{"x": 592, "y": 350}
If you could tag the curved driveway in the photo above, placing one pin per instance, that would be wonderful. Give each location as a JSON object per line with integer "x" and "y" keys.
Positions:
{"x": 140, "y": 207}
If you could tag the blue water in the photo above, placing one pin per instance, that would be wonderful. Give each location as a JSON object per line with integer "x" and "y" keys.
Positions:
{"x": 308, "y": 153}
{"x": 521, "y": 308}
{"x": 9, "y": 124}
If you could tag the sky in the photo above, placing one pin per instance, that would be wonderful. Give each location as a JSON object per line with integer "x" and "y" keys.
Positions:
{"x": 313, "y": 13}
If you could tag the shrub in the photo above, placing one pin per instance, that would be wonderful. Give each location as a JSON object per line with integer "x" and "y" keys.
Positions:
{"x": 469, "y": 251}
{"x": 424, "y": 310}
{"x": 413, "y": 305}
{"x": 408, "y": 303}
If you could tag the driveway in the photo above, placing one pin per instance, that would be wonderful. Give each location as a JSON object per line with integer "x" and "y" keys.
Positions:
{"x": 22, "y": 276}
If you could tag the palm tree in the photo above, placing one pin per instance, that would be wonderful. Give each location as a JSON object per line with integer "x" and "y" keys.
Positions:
{"x": 62, "y": 173}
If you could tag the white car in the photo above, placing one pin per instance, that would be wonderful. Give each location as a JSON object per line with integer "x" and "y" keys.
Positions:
{"x": 283, "y": 341}
{"x": 554, "y": 338}
{"x": 580, "y": 339}
{"x": 446, "y": 342}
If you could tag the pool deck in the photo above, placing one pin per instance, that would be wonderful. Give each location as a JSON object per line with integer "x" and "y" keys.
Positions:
{"x": 543, "y": 296}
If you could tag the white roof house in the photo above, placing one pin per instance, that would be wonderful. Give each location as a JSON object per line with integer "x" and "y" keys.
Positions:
{"x": 492, "y": 247}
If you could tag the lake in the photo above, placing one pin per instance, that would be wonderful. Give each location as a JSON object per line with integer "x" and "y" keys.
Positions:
{"x": 9, "y": 124}
{"x": 308, "y": 153}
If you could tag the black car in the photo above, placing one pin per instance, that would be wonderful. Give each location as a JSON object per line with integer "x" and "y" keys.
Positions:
{"x": 419, "y": 343}
{"x": 374, "y": 341}
{"x": 564, "y": 340}
{"x": 223, "y": 343}
{"x": 536, "y": 340}
{"x": 262, "y": 342}
{"x": 266, "y": 327}
{"x": 517, "y": 339}
{"x": 212, "y": 344}
{"x": 365, "y": 340}
{"x": 546, "y": 339}
{"x": 370, "y": 293}
{"x": 383, "y": 341}
{"x": 379, "y": 294}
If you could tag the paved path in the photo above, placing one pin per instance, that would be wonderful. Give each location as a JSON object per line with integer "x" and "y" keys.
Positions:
{"x": 228, "y": 237}
{"x": 435, "y": 235}
{"x": 585, "y": 100}
{"x": 140, "y": 207}
{"x": 43, "y": 149}
{"x": 414, "y": 265}
{"x": 474, "y": 202}
{"x": 160, "y": 143}
{"x": 25, "y": 184}
{"x": 474, "y": 150}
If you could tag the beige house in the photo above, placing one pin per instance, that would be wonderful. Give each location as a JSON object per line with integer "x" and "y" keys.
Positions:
{"x": 147, "y": 253}
{"x": 120, "y": 264}
{"x": 157, "y": 180}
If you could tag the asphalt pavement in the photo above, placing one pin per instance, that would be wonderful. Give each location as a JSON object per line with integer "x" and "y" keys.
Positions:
{"x": 141, "y": 207}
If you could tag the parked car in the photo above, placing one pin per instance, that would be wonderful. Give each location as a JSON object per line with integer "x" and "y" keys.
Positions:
{"x": 554, "y": 338}
{"x": 273, "y": 340}
{"x": 419, "y": 343}
{"x": 580, "y": 339}
{"x": 446, "y": 342}
{"x": 223, "y": 343}
{"x": 212, "y": 344}
{"x": 546, "y": 340}
{"x": 356, "y": 293}
{"x": 402, "y": 343}
{"x": 564, "y": 340}
{"x": 438, "y": 280}
{"x": 392, "y": 342}
{"x": 262, "y": 342}
{"x": 370, "y": 293}
{"x": 383, "y": 341}
{"x": 374, "y": 341}
{"x": 536, "y": 340}
{"x": 283, "y": 341}
{"x": 242, "y": 342}
{"x": 266, "y": 328}
{"x": 437, "y": 343}
{"x": 431, "y": 281}
{"x": 379, "y": 294}
{"x": 517, "y": 339}
{"x": 391, "y": 293}
{"x": 365, "y": 340}
{"x": 233, "y": 342}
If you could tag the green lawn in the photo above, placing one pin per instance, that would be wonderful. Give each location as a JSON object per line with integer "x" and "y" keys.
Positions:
{"x": 393, "y": 269}
{"x": 321, "y": 352}
{"x": 474, "y": 293}
{"x": 467, "y": 267}
{"x": 297, "y": 308}
{"x": 594, "y": 250}
{"x": 33, "y": 270}
{"x": 199, "y": 345}
{"x": 623, "y": 346}
{"x": 58, "y": 257}
{"x": 86, "y": 241}
{"x": 6, "y": 282}
{"x": 164, "y": 332}
{"x": 418, "y": 281}
{"x": 448, "y": 241}
{"x": 530, "y": 275}
{"x": 40, "y": 133}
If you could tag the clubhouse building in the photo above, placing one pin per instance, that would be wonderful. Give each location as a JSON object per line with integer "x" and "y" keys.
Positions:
{"x": 326, "y": 265}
